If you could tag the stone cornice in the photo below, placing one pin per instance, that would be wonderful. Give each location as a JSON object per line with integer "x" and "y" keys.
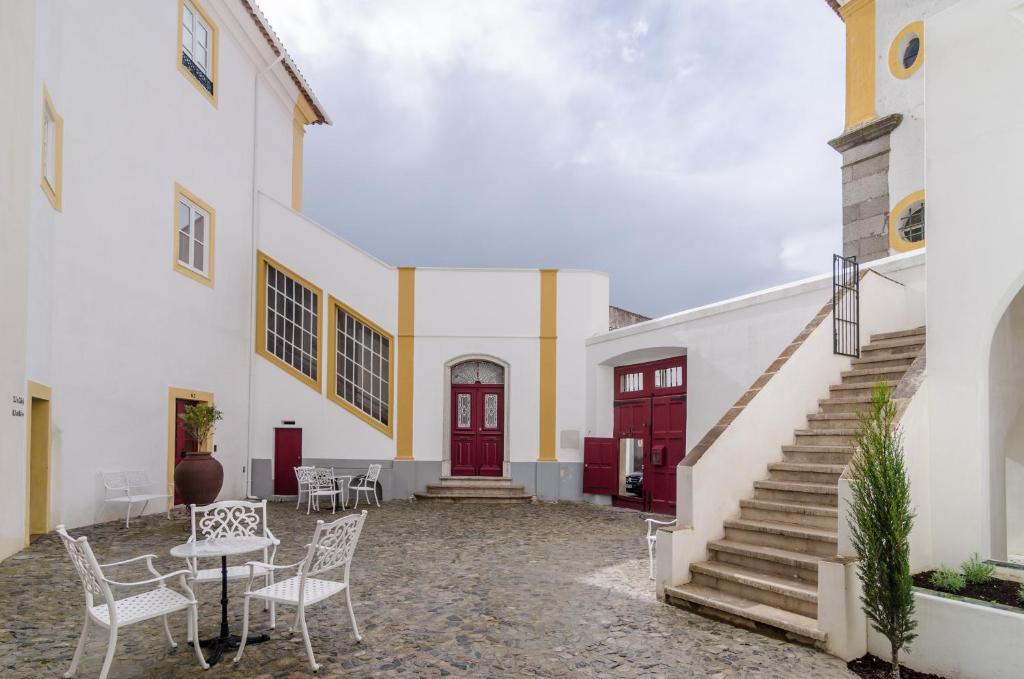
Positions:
{"x": 873, "y": 129}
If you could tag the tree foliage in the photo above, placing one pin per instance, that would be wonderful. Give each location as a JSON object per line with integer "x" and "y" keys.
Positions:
{"x": 199, "y": 420}
{"x": 881, "y": 519}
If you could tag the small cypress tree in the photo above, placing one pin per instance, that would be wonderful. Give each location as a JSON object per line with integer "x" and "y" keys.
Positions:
{"x": 880, "y": 523}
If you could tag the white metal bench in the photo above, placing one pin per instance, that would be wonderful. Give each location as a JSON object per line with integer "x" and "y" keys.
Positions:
{"x": 132, "y": 488}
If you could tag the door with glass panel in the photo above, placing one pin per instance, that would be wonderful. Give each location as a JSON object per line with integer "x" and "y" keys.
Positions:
{"x": 478, "y": 419}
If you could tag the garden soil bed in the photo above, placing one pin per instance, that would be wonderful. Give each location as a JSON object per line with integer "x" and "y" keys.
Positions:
{"x": 994, "y": 591}
{"x": 870, "y": 667}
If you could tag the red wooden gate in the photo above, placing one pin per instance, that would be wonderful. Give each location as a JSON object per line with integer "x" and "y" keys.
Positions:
{"x": 477, "y": 419}
{"x": 668, "y": 441}
{"x": 600, "y": 466}
{"x": 287, "y": 456}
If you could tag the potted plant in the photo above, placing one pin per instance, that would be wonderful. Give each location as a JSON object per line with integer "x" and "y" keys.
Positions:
{"x": 199, "y": 477}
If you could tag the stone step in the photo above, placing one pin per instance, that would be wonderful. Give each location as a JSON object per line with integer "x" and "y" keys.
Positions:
{"x": 818, "y": 454}
{"x": 821, "y": 421}
{"x": 824, "y": 437}
{"x": 882, "y": 361}
{"x": 912, "y": 332}
{"x": 844, "y": 405}
{"x": 805, "y": 472}
{"x": 747, "y": 613}
{"x": 856, "y": 389}
{"x": 476, "y": 481}
{"x": 893, "y": 347}
{"x": 479, "y": 489}
{"x": 814, "y": 541}
{"x": 811, "y": 516}
{"x": 872, "y": 375}
{"x": 799, "y": 493}
{"x": 469, "y": 496}
{"x": 765, "y": 588}
{"x": 794, "y": 566}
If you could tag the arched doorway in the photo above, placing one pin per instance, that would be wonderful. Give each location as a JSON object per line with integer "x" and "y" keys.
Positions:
{"x": 477, "y": 418}
{"x": 1006, "y": 433}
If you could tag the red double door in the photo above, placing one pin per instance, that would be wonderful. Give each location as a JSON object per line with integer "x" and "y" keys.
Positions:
{"x": 478, "y": 429}
{"x": 183, "y": 441}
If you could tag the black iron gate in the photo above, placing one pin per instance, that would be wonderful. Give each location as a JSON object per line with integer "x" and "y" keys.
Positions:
{"x": 845, "y": 306}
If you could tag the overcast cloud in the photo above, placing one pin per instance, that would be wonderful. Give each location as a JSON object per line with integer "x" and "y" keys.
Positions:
{"x": 678, "y": 145}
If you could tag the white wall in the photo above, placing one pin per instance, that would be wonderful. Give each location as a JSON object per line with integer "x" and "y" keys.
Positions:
{"x": 975, "y": 137}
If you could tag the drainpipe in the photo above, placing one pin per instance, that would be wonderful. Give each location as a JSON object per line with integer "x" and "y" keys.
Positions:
{"x": 254, "y": 233}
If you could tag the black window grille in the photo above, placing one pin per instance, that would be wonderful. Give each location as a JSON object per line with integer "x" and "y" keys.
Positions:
{"x": 196, "y": 72}
{"x": 845, "y": 306}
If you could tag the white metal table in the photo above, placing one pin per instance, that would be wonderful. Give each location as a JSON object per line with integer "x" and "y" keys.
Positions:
{"x": 341, "y": 482}
{"x": 222, "y": 547}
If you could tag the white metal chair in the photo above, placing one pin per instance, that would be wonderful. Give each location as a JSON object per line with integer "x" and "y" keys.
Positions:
{"x": 322, "y": 485}
{"x": 367, "y": 484}
{"x": 652, "y": 538}
{"x": 332, "y": 547}
{"x": 231, "y": 519}
{"x": 303, "y": 475}
{"x": 114, "y": 614}
{"x": 129, "y": 488}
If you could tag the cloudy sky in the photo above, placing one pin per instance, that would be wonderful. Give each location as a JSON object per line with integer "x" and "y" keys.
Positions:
{"x": 678, "y": 145}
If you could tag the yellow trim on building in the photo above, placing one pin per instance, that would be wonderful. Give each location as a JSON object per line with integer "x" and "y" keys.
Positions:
{"x": 214, "y": 52}
{"x": 406, "y": 360}
{"x": 859, "y": 16}
{"x": 332, "y": 366}
{"x": 896, "y": 53}
{"x": 548, "y": 364}
{"x": 298, "y": 134}
{"x": 53, "y": 193}
{"x": 37, "y": 486}
{"x": 173, "y": 394}
{"x": 896, "y": 241}
{"x": 211, "y": 240}
{"x": 262, "y": 260}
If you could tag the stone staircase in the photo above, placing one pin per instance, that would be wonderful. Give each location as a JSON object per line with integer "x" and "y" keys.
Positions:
{"x": 763, "y": 574}
{"x": 487, "y": 489}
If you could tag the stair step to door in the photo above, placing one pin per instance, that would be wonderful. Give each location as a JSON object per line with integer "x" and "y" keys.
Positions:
{"x": 820, "y": 421}
{"x": 476, "y": 481}
{"x": 765, "y": 588}
{"x": 814, "y": 541}
{"x": 872, "y": 375}
{"x": 497, "y": 491}
{"x": 857, "y": 389}
{"x": 818, "y": 454}
{"x": 783, "y": 562}
{"x": 825, "y": 437}
{"x": 805, "y": 472}
{"x": 811, "y": 516}
{"x": 902, "y": 346}
{"x": 844, "y": 405}
{"x": 912, "y": 332}
{"x": 800, "y": 493}
{"x": 899, "y": 361}
{"x": 470, "y": 496}
{"x": 747, "y": 613}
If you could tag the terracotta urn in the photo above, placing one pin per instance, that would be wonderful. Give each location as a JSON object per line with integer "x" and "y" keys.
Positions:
{"x": 198, "y": 478}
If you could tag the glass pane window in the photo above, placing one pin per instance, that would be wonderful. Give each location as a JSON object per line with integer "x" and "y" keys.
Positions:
{"x": 465, "y": 418}
{"x": 665, "y": 378}
{"x": 49, "y": 148}
{"x": 473, "y": 372}
{"x": 195, "y": 38}
{"x": 192, "y": 236}
{"x": 363, "y": 355}
{"x": 292, "y": 312}
{"x": 490, "y": 411}
{"x": 631, "y": 382}
{"x": 911, "y": 224}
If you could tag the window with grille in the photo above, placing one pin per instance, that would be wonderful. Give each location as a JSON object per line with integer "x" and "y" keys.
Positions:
{"x": 911, "y": 224}
{"x": 362, "y": 367}
{"x": 292, "y": 322}
{"x": 198, "y": 45}
{"x": 631, "y": 382}
{"x": 665, "y": 378}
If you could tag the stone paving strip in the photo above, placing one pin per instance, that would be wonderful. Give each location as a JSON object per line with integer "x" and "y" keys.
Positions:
{"x": 535, "y": 590}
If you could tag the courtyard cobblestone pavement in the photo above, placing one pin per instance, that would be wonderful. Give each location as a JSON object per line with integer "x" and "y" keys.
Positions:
{"x": 541, "y": 590}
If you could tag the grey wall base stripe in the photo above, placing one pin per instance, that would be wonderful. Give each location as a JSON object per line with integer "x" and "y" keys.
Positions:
{"x": 549, "y": 481}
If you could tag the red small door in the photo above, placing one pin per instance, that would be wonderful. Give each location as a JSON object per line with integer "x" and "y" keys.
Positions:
{"x": 287, "y": 456}
{"x": 183, "y": 441}
{"x": 600, "y": 466}
{"x": 478, "y": 429}
{"x": 668, "y": 441}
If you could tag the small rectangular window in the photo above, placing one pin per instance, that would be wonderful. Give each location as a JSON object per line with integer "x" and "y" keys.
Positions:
{"x": 193, "y": 236}
{"x": 52, "y": 143}
{"x": 198, "y": 48}
{"x": 631, "y": 382}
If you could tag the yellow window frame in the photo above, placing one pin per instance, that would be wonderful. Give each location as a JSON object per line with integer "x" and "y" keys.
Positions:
{"x": 214, "y": 51}
{"x": 332, "y": 366}
{"x": 53, "y": 193}
{"x": 211, "y": 240}
{"x": 262, "y": 261}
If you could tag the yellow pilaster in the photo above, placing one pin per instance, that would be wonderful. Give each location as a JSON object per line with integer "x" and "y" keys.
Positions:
{"x": 299, "y": 121}
{"x": 548, "y": 363}
{"x": 406, "y": 354}
{"x": 859, "y": 16}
